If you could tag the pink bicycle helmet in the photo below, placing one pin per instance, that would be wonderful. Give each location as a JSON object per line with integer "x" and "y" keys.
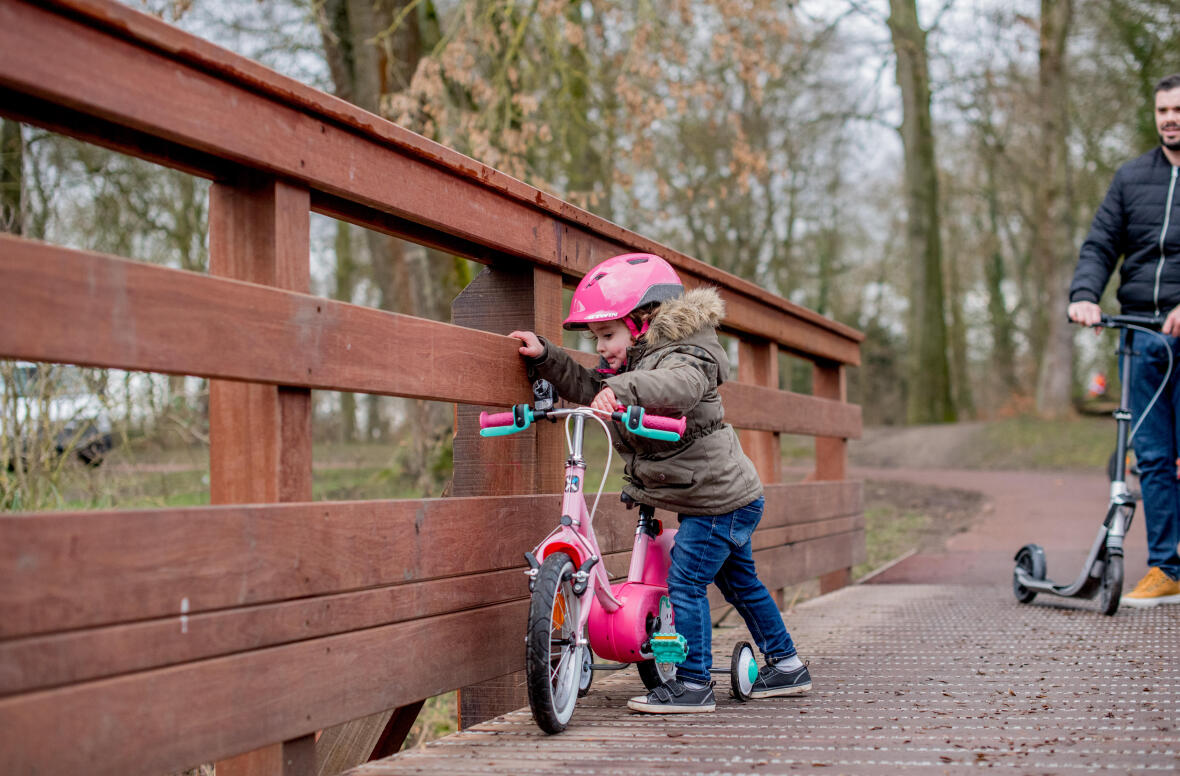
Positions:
{"x": 620, "y": 285}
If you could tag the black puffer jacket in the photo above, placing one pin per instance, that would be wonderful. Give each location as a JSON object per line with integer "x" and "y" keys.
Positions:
{"x": 1138, "y": 219}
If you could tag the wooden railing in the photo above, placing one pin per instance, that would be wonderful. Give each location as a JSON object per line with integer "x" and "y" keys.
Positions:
{"x": 148, "y": 641}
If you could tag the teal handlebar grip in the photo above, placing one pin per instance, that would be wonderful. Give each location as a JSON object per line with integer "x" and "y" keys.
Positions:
{"x": 638, "y": 422}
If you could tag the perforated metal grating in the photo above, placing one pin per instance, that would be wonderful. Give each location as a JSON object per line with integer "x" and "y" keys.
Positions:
{"x": 907, "y": 679}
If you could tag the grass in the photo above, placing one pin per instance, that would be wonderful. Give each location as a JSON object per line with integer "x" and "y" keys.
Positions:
{"x": 889, "y": 534}
{"x": 1031, "y": 443}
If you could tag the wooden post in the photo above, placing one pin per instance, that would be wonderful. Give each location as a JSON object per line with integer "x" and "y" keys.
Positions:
{"x": 260, "y": 435}
{"x": 502, "y": 300}
{"x": 831, "y": 453}
{"x": 758, "y": 365}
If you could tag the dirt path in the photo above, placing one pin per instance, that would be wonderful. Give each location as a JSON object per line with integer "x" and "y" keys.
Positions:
{"x": 1058, "y": 510}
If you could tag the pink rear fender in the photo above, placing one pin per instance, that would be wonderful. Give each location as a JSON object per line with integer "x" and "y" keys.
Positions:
{"x": 618, "y": 635}
{"x": 659, "y": 558}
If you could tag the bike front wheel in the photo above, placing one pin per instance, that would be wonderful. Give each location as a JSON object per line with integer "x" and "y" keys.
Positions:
{"x": 553, "y": 659}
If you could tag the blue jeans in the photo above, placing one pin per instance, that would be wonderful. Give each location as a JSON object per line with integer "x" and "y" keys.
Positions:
{"x": 1155, "y": 446}
{"x": 716, "y": 548}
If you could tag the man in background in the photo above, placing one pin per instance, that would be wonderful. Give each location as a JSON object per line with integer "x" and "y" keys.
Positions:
{"x": 1139, "y": 220}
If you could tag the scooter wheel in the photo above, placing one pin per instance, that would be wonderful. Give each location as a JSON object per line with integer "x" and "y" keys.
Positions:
{"x": 1112, "y": 584}
{"x": 1031, "y": 560}
{"x": 743, "y": 670}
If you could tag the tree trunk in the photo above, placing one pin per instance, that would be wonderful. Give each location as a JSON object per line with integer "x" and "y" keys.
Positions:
{"x": 929, "y": 370}
{"x": 12, "y": 153}
{"x": 1051, "y": 236}
{"x": 1003, "y": 344}
{"x": 345, "y": 284}
{"x": 964, "y": 399}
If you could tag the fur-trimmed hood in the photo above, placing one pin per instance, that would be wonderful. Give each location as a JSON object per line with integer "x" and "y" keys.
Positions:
{"x": 677, "y": 319}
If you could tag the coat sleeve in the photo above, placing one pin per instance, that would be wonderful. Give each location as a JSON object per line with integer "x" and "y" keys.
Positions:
{"x": 573, "y": 381}
{"x": 1102, "y": 248}
{"x": 674, "y": 387}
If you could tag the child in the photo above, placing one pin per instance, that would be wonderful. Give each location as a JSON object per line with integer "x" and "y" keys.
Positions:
{"x": 660, "y": 351}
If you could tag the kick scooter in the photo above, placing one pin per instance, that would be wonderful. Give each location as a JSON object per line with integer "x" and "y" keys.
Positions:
{"x": 1102, "y": 574}
{"x": 574, "y": 608}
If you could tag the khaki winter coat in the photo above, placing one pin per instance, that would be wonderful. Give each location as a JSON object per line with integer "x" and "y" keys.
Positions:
{"x": 673, "y": 370}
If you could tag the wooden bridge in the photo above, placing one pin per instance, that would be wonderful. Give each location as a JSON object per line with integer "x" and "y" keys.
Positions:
{"x": 268, "y": 632}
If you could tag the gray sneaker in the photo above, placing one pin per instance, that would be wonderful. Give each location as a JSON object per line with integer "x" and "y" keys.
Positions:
{"x": 674, "y": 697}
{"x": 772, "y": 681}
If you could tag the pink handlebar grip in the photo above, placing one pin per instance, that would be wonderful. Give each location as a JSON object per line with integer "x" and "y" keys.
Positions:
{"x": 496, "y": 420}
{"x": 662, "y": 423}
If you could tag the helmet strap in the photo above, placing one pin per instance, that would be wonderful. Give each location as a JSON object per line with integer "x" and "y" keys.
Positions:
{"x": 636, "y": 331}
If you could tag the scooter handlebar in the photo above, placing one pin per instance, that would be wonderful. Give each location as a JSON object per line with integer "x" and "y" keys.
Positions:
{"x": 1155, "y": 322}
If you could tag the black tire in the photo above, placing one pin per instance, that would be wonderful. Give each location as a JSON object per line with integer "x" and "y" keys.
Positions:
{"x": 92, "y": 454}
{"x": 1131, "y": 476}
{"x": 743, "y": 670}
{"x": 1031, "y": 559}
{"x": 654, "y": 674}
{"x": 552, "y": 661}
{"x": 587, "y": 676}
{"x": 1112, "y": 584}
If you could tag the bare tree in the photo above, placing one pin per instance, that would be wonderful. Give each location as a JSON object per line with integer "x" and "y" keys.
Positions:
{"x": 930, "y": 388}
{"x": 11, "y": 190}
{"x": 1052, "y": 228}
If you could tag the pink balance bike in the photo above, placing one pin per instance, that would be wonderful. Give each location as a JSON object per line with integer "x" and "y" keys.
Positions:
{"x": 575, "y": 612}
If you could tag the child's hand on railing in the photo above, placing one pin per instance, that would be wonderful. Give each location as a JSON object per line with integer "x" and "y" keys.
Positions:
{"x": 533, "y": 347}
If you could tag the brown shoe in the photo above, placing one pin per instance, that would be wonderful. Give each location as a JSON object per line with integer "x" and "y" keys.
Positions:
{"x": 1154, "y": 589}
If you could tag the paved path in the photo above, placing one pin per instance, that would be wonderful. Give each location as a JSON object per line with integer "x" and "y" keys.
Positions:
{"x": 1059, "y": 511}
{"x": 944, "y": 677}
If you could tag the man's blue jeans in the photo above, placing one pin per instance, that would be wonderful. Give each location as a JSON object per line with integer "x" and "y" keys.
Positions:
{"x": 1155, "y": 446}
{"x": 716, "y": 548}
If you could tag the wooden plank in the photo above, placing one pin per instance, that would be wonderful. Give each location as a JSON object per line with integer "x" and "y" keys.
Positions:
{"x": 767, "y": 409}
{"x": 129, "y": 725}
{"x": 151, "y": 561}
{"x": 187, "y": 323}
{"x": 51, "y": 660}
{"x": 283, "y": 127}
{"x": 790, "y": 504}
{"x": 394, "y": 734}
{"x": 802, "y": 532}
{"x": 165, "y": 563}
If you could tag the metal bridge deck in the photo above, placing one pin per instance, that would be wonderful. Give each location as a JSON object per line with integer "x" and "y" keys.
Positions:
{"x": 907, "y": 679}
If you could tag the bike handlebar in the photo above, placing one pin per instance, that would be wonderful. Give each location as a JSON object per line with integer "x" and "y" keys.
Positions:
{"x": 634, "y": 418}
